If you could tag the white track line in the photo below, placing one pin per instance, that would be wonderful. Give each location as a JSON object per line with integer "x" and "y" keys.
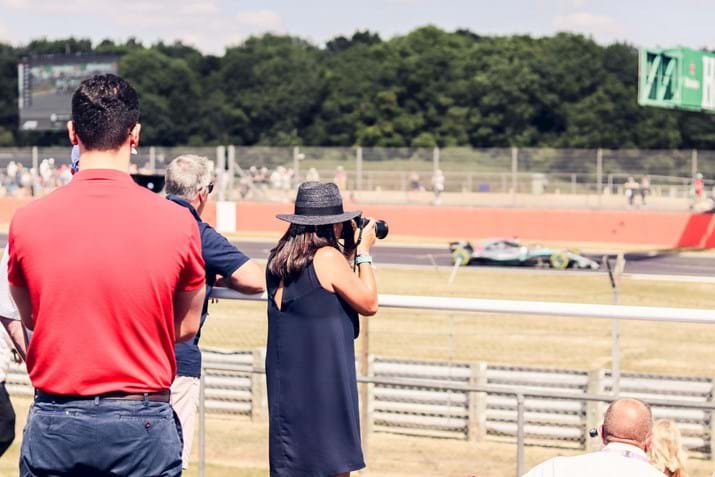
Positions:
{"x": 670, "y": 278}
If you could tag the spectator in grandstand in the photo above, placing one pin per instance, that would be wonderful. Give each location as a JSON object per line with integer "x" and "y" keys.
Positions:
{"x": 644, "y": 188}
{"x": 276, "y": 177}
{"x": 312, "y": 175}
{"x": 698, "y": 187}
{"x": 188, "y": 184}
{"x": 632, "y": 188}
{"x": 626, "y": 434}
{"x": 667, "y": 453}
{"x": 262, "y": 179}
{"x": 415, "y": 183}
{"x": 437, "y": 186}
{"x": 341, "y": 178}
{"x": 314, "y": 300}
{"x": 101, "y": 358}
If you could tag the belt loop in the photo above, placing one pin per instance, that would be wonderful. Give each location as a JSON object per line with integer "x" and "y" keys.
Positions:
{"x": 96, "y": 400}
{"x": 146, "y": 399}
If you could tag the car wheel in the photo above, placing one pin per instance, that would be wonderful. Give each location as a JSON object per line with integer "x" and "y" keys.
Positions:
{"x": 559, "y": 261}
{"x": 461, "y": 256}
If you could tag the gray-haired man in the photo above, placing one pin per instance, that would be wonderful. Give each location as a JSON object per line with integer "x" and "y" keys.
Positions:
{"x": 188, "y": 184}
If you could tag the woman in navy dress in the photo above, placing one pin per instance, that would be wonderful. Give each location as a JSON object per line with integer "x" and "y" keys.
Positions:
{"x": 318, "y": 281}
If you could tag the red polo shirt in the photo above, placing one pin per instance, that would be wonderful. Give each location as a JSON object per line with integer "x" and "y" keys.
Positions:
{"x": 102, "y": 259}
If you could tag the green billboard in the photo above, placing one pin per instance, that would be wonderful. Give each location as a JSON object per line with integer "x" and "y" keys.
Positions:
{"x": 679, "y": 78}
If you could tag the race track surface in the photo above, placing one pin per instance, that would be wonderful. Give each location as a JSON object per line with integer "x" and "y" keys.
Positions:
{"x": 647, "y": 262}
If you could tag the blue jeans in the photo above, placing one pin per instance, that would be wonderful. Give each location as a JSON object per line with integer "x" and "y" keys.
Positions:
{"x": 101, "y": 438}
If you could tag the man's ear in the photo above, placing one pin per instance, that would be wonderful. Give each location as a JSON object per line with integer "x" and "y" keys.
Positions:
{"x": 72, "y": 133}
{"x": 134, "y": 135}
{"x": 648, "y": 443}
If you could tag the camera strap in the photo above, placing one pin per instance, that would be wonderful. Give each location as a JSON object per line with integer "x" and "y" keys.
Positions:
{"x": 357, "y": 242}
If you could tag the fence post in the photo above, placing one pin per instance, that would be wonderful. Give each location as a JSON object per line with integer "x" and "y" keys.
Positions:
{"x": 370, "y": 394}
{"x": 712, "y": 422}
{"x": 152, "y": 159}
{"x": 231, "y": 166}
{"x": 358, "y": 168}
{"x": 520, "y": 434}
{"x": 514, "y": 173}
{"x": 435, "y": 159}
{"x": 477, "y": 428}
{"x": 202, "y": 423}
{"x": 221, "y": 172}
{"x": 599, "y": 176}
{"x": 36, "y": 159}
{"x": 296, "y": 166}
{"x": 364, "y": 370}
{"x": 694, "y": 163}
{"x": 594, "y": 416}
{"x": 258, "y": 385}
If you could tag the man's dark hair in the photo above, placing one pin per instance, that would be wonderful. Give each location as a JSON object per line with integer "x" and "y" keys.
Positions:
{"x": 105, "y": 108}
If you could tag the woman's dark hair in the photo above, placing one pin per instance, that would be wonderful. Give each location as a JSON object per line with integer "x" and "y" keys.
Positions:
{"x": 105, "y": 109}
{"x": 297, "y": 248}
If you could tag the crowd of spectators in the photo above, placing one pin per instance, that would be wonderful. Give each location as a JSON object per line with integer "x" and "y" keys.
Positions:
{"x": 20, "y": 181}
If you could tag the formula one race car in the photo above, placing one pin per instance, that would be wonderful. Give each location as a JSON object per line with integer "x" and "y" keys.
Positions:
{"x": 513, "y": 253}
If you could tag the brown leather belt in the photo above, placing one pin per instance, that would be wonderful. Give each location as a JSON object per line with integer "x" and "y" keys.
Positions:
{"x": 161, "y": 396}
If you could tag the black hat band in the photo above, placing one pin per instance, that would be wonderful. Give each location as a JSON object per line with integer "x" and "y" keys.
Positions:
{"x": 333, "y": 210}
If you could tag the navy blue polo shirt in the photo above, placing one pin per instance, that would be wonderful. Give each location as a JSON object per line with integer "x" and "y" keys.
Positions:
{"x": 221, "y": 258}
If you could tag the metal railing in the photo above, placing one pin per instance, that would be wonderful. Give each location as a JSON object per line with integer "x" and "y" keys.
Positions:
{"x": 572, "y": 310}
{"x": 519, "y": 394}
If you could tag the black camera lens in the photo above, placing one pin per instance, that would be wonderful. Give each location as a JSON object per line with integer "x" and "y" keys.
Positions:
{"x": 381, "y": 227}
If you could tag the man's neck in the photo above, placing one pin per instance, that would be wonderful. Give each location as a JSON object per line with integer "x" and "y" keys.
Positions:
{"x": 624, "y": 442}
{"x": 116, "y": 159}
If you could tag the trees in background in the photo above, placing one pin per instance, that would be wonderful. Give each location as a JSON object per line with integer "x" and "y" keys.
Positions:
{"x": 427, "y": 88}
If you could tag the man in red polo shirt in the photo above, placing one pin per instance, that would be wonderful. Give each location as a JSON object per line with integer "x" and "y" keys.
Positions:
{"x": 108, "y": 276}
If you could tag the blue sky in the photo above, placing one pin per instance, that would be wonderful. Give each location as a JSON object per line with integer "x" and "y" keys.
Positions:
{"x": 210, "y": 25}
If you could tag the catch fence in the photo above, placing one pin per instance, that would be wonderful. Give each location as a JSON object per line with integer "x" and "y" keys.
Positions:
{"x": 505, "y": 177}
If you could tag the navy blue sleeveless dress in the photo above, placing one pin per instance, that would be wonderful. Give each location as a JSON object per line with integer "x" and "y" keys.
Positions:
{"x": 312, "y": 389}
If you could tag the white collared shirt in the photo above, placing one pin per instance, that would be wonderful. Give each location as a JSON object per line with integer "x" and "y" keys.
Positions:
{"x": 614, "y": 460}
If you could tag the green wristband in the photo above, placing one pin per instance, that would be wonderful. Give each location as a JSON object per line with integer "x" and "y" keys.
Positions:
{"x": 363, "y": 259}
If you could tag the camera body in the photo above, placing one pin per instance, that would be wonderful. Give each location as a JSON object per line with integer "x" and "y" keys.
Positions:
{"x": 381, "y": 227}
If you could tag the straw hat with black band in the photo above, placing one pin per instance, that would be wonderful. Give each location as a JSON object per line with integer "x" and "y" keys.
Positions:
{"x": 318, "y": 203}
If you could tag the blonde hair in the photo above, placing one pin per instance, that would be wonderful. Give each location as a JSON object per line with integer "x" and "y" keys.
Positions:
{"x": 666, "y": 452}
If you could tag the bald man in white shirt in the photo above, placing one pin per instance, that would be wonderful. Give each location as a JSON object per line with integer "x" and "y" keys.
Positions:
{"x": 626, "y": 435}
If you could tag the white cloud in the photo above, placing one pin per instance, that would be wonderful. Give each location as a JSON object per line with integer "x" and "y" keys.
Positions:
{"x": 200, "y": 8}
{"x": 128, "y": 7}
{"x": 260, "y": 21}
{"x": 600, "y": 26}
{"x": 15, "y": 4}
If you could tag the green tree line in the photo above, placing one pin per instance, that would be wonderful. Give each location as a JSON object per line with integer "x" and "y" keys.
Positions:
{"x": 427, "y": 88}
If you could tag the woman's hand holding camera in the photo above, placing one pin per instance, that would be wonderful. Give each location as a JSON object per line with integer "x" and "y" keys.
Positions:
{"x": 368, "y": 237}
